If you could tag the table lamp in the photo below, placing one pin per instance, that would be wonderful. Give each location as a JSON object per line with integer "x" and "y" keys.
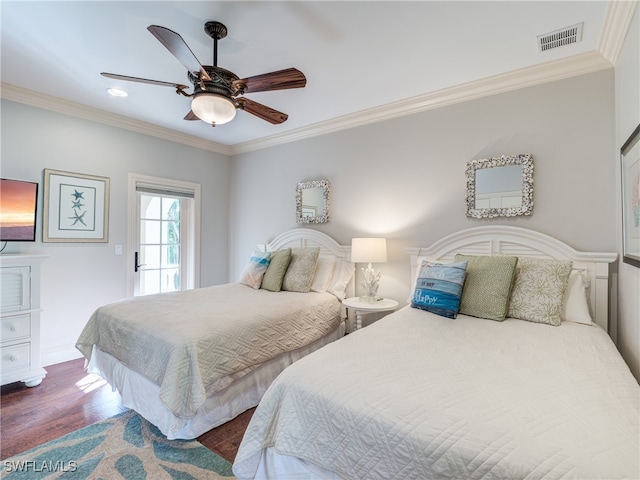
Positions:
{"x": 369, "y": 250}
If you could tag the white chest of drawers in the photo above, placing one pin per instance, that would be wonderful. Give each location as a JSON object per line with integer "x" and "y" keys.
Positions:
{"x": 20, "y": 319}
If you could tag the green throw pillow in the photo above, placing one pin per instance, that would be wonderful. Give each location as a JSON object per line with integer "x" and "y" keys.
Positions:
{"x": 278, "y": 265}
{"x": 487, "y": 286}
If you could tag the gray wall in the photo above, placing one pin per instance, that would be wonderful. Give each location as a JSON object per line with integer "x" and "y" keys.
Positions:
{"x": 627, "y": 119}
{"x": 77, "y": 277}
{"x": 404, "y": 178}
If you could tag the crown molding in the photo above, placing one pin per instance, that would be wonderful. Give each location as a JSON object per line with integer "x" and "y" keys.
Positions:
{"x": 616, "y": 25}
{"x": 617, "y": 22}
{"x": 525, "y": 77}
{"x": 55, "y": 104}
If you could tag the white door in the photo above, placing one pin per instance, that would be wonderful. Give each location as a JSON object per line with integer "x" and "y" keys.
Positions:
{"x": 163, "y": 235}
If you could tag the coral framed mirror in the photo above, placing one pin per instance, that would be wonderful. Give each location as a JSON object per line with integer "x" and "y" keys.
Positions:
{"x": 312, "y": 202}
{"x": 500, "y": 186}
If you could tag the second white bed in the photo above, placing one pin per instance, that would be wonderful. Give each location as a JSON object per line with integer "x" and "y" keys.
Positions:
{"x": 422, "y": 396}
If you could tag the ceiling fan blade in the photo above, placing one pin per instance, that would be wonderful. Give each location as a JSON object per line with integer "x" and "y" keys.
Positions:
{"x": 143, "y": 80}
{"x": 191, "y": 116}
{"x": 280, "y": 80}
{"x": 179, "y": 48}
{"x": 261, "y": 111}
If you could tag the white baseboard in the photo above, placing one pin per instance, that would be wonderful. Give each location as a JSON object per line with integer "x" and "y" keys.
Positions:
{"x": 64, "y": 353}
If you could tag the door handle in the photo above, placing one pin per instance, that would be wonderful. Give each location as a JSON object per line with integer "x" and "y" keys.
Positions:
{"x": 136, "y": 265}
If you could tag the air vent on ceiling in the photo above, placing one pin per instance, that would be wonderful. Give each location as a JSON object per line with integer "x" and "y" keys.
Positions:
{"x": 559, "y": 38}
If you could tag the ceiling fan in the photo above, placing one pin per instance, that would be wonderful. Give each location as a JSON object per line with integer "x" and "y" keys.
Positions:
{"x": 217, "y": 92}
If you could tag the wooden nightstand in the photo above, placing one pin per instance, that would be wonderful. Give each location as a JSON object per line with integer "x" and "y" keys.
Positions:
{"x": 361, "y": 307}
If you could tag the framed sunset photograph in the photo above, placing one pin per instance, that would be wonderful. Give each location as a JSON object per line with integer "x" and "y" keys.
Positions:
{"x": 18, "y": 210}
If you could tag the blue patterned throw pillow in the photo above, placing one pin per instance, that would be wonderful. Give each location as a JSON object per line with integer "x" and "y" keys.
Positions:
{"x": 439, "y": 288}
{"x": 252, "y": 274}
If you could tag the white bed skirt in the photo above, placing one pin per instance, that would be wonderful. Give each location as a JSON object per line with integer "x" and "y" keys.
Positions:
{"x": 273, "y": 465}
{"x": 142, "y": 395}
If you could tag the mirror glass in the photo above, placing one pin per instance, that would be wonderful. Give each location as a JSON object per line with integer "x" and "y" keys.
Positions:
{"x": 500, "y": 186}
{"x": 312, "y": 202}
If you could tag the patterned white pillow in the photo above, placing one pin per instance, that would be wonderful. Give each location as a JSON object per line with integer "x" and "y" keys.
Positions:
{"x": 301, "y": 269}
{"x": 254, "y": 271}
{"x": 538, "y": 290}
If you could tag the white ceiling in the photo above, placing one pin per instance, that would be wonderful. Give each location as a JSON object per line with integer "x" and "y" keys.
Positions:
{"x": 364, "y": 60}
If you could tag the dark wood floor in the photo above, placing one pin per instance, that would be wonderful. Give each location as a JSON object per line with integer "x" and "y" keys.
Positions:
{"x": 69, "y": 399}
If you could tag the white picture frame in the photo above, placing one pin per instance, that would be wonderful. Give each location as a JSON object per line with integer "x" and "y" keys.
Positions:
{"x": 76, "y": 207}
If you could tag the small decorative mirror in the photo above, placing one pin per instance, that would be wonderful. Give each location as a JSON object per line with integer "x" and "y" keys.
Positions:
{"x": 312, "y": 202}
{"x": 500, "y": 186}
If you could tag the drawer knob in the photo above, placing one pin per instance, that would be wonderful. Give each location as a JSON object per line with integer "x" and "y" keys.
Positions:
{"x": 14, "y": 358}
{"x": 13, "y": 328}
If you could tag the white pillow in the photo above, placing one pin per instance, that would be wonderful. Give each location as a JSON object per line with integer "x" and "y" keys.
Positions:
{"x": 324, "y": 273}
{"x": 574, "y": 303}
{"x": 342, "y": 273}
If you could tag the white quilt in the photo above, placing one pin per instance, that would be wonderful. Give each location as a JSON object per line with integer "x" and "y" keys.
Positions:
{"x": 191, "y": 342}
{"x": 417, "y": 396}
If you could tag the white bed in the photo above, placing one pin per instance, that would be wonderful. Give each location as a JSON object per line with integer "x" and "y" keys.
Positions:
{"x": 417, "y": 395}
{"x": 257, "y": 334}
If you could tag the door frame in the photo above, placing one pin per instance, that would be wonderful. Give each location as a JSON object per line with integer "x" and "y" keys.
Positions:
{"x": 133, "y": 222}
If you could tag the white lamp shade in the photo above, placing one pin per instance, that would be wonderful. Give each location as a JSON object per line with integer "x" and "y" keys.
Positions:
{"x": 368, "y": 250}
{"x": 213, "y": 108}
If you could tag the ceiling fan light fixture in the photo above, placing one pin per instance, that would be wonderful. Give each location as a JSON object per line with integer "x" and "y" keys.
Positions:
{"x": 213, "y": 108}
{"x": 215, "y": 89}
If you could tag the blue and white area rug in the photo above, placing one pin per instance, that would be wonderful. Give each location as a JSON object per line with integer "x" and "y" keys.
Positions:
{"x": 124, "y": 447}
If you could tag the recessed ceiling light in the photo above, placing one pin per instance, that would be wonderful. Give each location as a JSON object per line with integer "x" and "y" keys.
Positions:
{"x": 116, "y": 92}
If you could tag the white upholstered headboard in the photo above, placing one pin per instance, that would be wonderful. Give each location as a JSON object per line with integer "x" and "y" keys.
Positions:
{"x": 306, "y": 237}
{"x": 507, "y": 240}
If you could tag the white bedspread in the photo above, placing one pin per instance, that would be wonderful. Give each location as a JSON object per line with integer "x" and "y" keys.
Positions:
{"x": 190, "y": 343}
{"x": 417, "y": 396}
